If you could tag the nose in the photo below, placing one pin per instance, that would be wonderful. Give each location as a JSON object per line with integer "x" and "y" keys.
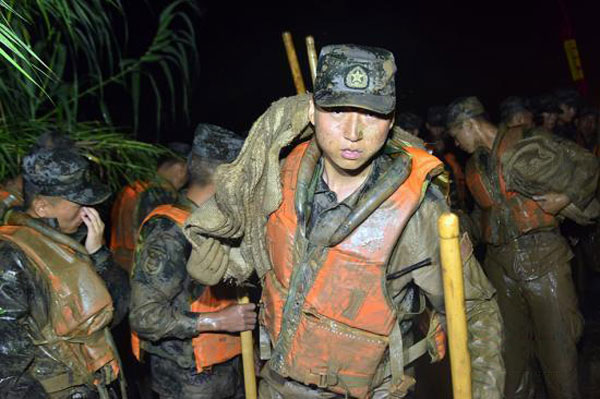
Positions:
{"x": 352, "y": 127}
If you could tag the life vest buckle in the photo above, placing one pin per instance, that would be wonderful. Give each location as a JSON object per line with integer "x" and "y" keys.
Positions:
{"x": 401, "y": 390}
{"x": 321, "y": 379}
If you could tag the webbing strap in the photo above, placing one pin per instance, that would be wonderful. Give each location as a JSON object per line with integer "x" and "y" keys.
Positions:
{"x": 400, "y": 383}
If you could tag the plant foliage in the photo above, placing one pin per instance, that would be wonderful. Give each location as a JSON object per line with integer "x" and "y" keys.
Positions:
{"x": 58, "y": 60}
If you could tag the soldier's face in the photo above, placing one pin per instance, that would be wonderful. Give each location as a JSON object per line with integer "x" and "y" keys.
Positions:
{"x": 464, "y": 137}
{"x": 549, "y": 120}
{"x": 587, "y": 126}
{"x": 349, "y": 137}
{"x": 67, "y": 213}
{"x": 567, "y": 113}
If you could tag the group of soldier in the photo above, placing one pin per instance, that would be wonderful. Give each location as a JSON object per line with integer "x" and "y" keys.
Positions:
{"x": 331, "y": 204}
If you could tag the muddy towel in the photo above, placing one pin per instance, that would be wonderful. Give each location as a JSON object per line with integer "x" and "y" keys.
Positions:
{"x": 542, "y": 164}
{"x": 248, "y": 190}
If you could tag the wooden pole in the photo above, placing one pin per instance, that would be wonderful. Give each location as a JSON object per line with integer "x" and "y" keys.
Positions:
{"x": 293, "y": 61}
{"x": 454, "y": 297}
{"x": 248, "y": 358}
{"x": 311, "y": 50}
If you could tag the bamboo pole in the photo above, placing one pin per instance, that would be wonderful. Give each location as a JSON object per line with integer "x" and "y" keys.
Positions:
{"x": 311, "y": 50}
{"x": 293, "y": 61}
{"x": 454, "y": 297}
{"x": 248, "y": 357}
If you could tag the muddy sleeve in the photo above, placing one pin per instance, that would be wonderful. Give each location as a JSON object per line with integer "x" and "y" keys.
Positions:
{"x": 471, "y": 223}
{"x": 16, "y": 348}
{"x": 150, "y": 199}
{"x": 483, "y": 316}
{"x": 116, "y": 280}
{"x": 158, "y": 277}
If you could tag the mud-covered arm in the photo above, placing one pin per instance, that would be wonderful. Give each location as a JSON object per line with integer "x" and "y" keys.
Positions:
{"x": 16, "y": 348}
{"x": 470, "y": 223}
{"x": 158, "y": 277}
{"x": 420, "y": 241}
{"x": 116, "y": 280}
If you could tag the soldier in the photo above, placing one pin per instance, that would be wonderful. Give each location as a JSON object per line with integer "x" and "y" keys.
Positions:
{"x": 136, "y": 201}
{"x": 439, "y": 146}
{"x": 546, "y": 111}
{"x": 412, "y": 123}
{"x": 527, "y": 259}
{"x": 185, "y": 328}
{"x": 339, "y": 292}
{"x": 55, "y": 293}
{"x": 516, "y": 111}
{"x": 568, "y": 102}
{"x": 586, "y": 124}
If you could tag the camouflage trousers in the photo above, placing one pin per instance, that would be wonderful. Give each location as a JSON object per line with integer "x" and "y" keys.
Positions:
{"x": 274, "y": 386}
{"x": 537, "y": 300}
{"x": 223, "y": 381}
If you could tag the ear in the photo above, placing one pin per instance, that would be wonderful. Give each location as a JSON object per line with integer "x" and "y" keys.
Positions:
{"x": 40, "y": 206}
{"x": 311, "y": 110}
{"x": 181, "y": 168}
{"x": 392, "y": 120}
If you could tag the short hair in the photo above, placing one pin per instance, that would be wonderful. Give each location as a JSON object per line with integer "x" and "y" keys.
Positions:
{"x": 201, "y": 170}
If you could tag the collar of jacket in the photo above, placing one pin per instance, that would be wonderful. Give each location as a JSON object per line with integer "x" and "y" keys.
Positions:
{"x": 17, "y": 218}
{"x": 386, "y": 185}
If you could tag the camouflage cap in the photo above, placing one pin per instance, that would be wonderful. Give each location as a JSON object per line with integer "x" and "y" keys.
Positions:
{"x": 462, "y": 109}
{"x": 587, "y": 110}
{"x": 409, "y": 121}
{"x": 513, "y": 105}
{"x": 216, "y": 143}
{"x": 63, "y": 172}
{"x": 545, "y": 103}
{"x": 179, "y": 148}
{"x": 570, "y": 97}
{"x": 436, "y": 115}
{"x": 356, "y": 76}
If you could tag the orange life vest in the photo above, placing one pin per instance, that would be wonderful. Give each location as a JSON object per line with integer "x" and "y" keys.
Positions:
{"x": 123, "y": 234}
{"x": 80, "y": 308}
{"x": 347, "y": 318}
{"x": 459, "y": 176}
{"x": 9, "y": 198}
{"x": 506, "y": 214}
{"x": 209, "y": 348}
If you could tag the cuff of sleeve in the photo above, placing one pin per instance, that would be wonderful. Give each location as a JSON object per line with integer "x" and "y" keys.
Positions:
{"x": 101, "y": 256}
{"x": 189, "y": 323}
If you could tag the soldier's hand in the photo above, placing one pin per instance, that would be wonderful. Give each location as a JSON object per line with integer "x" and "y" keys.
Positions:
{"x": 235, "y": 318}
{"x": 95, "y": 226}
{"x": 552, "y": 203}
{"x": 208, "y": 263}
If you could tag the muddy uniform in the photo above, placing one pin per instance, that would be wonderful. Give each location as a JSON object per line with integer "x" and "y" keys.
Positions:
{"x": 131, "y": 207}
{"x": 336, "y": 306}
{"x": 527, "y": 261}
{"x": 327, "y": 215}
{"x": 164, "y": 320}
{"x": 57, "y": 302}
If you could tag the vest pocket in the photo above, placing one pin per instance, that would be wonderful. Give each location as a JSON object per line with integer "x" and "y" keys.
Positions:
{"x": 334, "y": 356}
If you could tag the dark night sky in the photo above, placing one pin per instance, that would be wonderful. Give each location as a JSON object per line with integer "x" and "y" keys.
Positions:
{"x": 492, "y": 49}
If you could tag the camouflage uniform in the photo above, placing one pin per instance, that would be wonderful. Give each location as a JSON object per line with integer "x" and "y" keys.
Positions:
{"x": 363, "y": 77}
{"x": 532, "y": 277}
{"x": 25, "y": 293}
{"x": 161, "y": 295}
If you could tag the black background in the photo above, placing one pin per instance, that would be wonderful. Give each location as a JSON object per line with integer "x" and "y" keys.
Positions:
{"x": 443, "y": 49}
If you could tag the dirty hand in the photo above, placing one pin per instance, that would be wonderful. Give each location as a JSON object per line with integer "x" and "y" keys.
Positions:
{"x": 95, "y": 226}
{"x": 552, "y": 203}
{"x": 208, "y": 263}
{"x": 232, "y": 319}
